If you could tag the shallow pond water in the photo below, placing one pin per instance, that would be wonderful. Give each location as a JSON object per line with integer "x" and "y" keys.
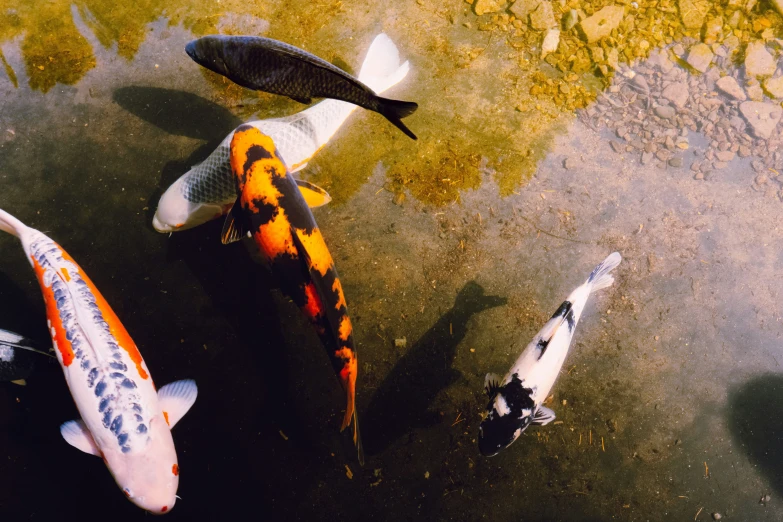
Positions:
{"x": 463, "y": 243}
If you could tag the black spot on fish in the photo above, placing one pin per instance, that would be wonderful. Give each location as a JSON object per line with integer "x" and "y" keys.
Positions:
{"x": 542, "y": 346}
{"x": 104, "y": 403}
{"x": 107, "y": 418}
{"x": 255, "y": 153}
{"x": 118, "y": 366}
{"x": 91, "y": 377}
{"x": 116, "y": 424}
{"x": 138, "y": 417}
{"x": 570, "y": 320}
{"x": 266, "y": 213}
{"x": 85, "y": 364}
{"x": 116, "y": 375}
{"x": 498, "y": 431}
{"x": 563, "y": 309}
{"x": 125, "y": 449}
{"x": 136, "y": 407}
{"x": 117, "y": 355}
{"x": 100, "y": 388}
{"x": 127, "y": 383}
{"x": 122, "y": 438}
{"x": 293, "y": 202}
{"x": 141, "y": 428}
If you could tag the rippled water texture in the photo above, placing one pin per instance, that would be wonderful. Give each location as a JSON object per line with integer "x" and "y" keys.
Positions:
{"x": 528, "y": 171}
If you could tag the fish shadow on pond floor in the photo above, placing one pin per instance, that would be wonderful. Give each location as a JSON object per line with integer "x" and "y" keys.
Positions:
{"x": 403, "y": 399}
{"x": 757, "y": 429}
{"x": 182, "y": 114}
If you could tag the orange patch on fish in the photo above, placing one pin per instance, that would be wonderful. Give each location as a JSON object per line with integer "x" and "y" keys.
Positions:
{"x": 314, "y": 244}
{"x": 175, "y": 470}
{"x": 53, "y": 314}
{"x": 337, "y": 288}
{"x": 116, "y": 328}
{"x": 166, "y": 416}
{"x": 65, "y": 274}
{"x": 313, "y": 306}
{"x": 345, "y": 328}
{"x": 274, "y": 238}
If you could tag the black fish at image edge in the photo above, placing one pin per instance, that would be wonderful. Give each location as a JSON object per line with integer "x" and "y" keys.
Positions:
{"x": 272, "y": 66}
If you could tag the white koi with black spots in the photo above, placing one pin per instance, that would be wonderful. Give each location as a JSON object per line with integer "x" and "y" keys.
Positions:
{"x": 123, "y": 418}
{"x": 515, "y": 401}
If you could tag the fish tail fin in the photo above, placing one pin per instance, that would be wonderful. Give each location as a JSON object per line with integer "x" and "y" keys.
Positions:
{"x": 600, "y": 276}
{"x": 395, "y": 110}
{"x": 381, "y": 69}
{"x": 10, "y": 224}
{"x": 357, "y": 439}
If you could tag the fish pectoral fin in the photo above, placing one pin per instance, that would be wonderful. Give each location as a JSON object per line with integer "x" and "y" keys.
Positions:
{"x": 20, "y": 382}
{"x": 302, "y": 99}
{"x": 298, "y": 167}
{"x": 491, "y": 384}
{"x": 313, "y": 195}
{"x": 176, "y": 398}
{"x": 543, "y": 416}
{"x": 77, "y": 435}
{"x": 233, "y": 228}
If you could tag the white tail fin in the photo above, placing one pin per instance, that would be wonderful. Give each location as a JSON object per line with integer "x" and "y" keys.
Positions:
{"x": 381, "y": 69}
{"x": 10, "y": 224}
{"x": 600, "y": 277}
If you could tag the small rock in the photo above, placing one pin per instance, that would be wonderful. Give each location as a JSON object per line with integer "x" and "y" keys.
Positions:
{"x": 646, "y": 157}
{"x": 488, "y": 6}
{"x": 774, "y": 86}
{"x": 693, "y": 12}
{"x": 522, "y": 8}
{"x": 755, "y": 92}
{"x": 665, "y": 111}
{"x": 570, "y": 19}
{"x": 401, "y": 342}
{"x": 601, "y": 23}
{"x": 761, "y": 179}
{"x": 765, "y": 499}
{"x": 663, "y": 155}
{"x": 399, "y": 199}
{"x": 762, "y": 117}
{"x": 550, "y": 43}
{"x": 543, "y": 17}
{"x": 717, "y": 516}
{"x": 725, "y": 155}
{"x": 700, "y": 57}
{"x": 616, "y": 146}
{"x": 677, "y": 93}
{"x": 698, "y": 175}
{"x": 570, "y": 164}
{"x": 744, "y": 151}
{"x": 729, "y": 86}
{"x": 777, "y": 4}
{"x": 758, "y": 62}
{"x": 720, "y": 165}
{"x": 676, "y": 162}
{"x": 713, "y": 30}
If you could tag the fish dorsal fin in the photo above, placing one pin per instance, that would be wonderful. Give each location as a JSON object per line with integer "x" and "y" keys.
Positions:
{"x": 233, "y": 228}
{"x": 77, "y": 435}
{"x": 20, "y": 382}
{"x": 176, "y": 398}
{"x": 313, "y": 195}
{"x": 491, "y": 384}
{"x": 543, "y": 416}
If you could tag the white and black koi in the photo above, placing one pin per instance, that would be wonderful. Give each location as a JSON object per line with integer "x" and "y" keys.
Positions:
{"x": 515, "y": 402}
{"x": 123, "y": 419}
{"x": 17, "y": 357}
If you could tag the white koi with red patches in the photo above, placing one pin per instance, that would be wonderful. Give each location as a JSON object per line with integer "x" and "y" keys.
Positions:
{"x": 121, "y": 413}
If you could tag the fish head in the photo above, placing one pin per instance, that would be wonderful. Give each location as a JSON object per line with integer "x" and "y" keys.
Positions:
{"x": 509, "y": 413}
{"x": 148, "y": 475}
{"x": 176, "y": 212}
{"x": 208, "y": 52}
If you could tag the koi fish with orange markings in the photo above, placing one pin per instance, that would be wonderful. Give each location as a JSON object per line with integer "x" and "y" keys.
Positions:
{"x": 271, "y": 209}
{"x": 123, "y": 419}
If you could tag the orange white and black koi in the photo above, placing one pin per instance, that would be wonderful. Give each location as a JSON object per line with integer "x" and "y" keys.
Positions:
{"x": 271, "y": 208}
